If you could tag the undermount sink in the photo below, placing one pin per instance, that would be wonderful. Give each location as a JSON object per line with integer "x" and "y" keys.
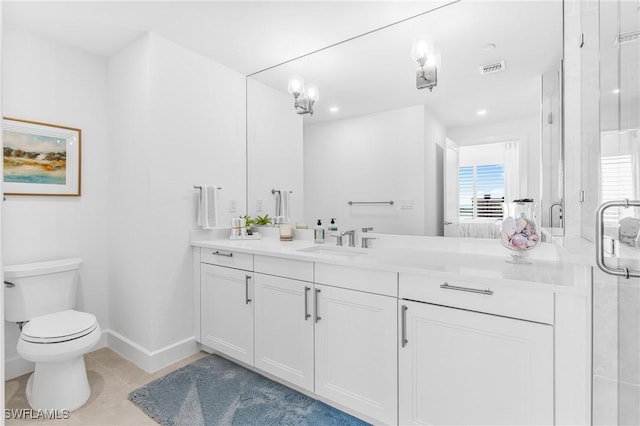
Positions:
{"x": 334, "y": 251}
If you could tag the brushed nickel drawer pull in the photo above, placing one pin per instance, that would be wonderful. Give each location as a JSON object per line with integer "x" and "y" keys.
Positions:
{"x": 486, "y": 292}
{"x": 246, "y": 289}
{"x": 404, "y": 326}
{"x": 7, "y": 284}
{"x": 318, "y": 317}
{"x": 218, "y": 253}
{"x": 307, "y": 315}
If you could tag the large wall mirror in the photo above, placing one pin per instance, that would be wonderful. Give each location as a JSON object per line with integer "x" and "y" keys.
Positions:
{"x": 378, "y": 152}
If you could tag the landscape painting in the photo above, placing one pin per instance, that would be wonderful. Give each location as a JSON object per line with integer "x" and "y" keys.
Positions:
{"x": 40, "y": 158}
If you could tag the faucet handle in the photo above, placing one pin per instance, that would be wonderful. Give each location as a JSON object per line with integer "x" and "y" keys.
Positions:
{"x": 338, "y": 238}
{"x": 365, "y": 241}
{"x": 367, "y": 229}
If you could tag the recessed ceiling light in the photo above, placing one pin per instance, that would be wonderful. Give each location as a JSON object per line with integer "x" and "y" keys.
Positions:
{"x": 488, "y": 47}
{"x": 334, "y": 109}
{"x": 615, "y": 91}
{"x": 482, "y": 112}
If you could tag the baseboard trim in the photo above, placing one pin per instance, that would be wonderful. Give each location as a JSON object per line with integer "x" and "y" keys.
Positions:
{"x": 151, "y": 361}
{"x": 16, "y": 366}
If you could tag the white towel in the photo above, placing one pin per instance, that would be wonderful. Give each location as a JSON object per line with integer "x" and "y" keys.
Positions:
{"x": 283, "y": 206}
{"x": 208, "y": 207}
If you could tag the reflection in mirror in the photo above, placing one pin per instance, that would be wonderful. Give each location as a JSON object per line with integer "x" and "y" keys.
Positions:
{"x": 447, "y": 157}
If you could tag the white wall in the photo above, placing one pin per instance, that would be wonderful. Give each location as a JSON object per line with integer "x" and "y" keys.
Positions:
{"x": 376, "y": 157}
{"x": 2, "y": 345}
{"x": 178, "y": 119}
{"x": 129, "y": 243}
{"x": 525, "y": 131}
{"x": 435, "y": 135}
{"x": 49, "y": 82}
{"x": 275, "y": 157}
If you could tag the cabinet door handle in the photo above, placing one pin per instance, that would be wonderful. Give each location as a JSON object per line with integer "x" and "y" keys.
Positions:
{"x": 246, "y": 289}
{"x": 307, "y": 315}
{"x": 446, "y": 286}
{"x": 404, "y": 326}
{"x": 219, "y": 253}
{"x": 318, "y": 317}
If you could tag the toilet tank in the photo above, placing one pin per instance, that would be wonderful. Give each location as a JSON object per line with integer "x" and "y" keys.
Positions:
{"x": 42, "y": 288}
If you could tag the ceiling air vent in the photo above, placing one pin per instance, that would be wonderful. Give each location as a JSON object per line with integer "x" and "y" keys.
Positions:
{"x": 627, "y": 37}
{"x": 490, "y": 69}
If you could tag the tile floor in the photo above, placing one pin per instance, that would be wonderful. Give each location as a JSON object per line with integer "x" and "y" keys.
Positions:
{"x": 111, "y": 378}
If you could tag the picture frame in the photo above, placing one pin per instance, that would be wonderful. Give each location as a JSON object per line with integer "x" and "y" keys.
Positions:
{"x": 41, "y": 158}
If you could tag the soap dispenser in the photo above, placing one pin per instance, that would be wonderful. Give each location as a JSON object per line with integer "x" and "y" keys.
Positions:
{"x": 318, "y": 233}
{"x": 332, "y": 226}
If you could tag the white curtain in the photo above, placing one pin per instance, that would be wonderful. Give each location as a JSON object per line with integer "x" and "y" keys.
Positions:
{"x": 511, "y": 171}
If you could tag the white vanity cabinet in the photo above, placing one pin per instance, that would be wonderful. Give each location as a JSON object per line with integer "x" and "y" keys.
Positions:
{"x": 226, "y": 307}
{"x": 356, "y": 341}
{"x": 397, "y": 347}
{"x": 284, "y": 321}
{"x": 335, "y": 340}
{"x": 457, "y": 366}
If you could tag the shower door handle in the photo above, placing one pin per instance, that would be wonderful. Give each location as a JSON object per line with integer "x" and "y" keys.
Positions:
{"x": 621, "y": 272}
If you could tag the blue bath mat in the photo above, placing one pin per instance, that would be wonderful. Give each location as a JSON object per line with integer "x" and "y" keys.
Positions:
{"x": 214, "y": 391}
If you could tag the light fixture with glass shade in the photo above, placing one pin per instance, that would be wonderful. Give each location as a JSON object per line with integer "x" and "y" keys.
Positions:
{"x": 422, "y": 52}
{"x": 304, "y": 96}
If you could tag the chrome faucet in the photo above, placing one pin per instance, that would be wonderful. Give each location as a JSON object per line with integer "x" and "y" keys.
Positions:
{"x": 352, "y": 237}
{"x": 551, "y": 206}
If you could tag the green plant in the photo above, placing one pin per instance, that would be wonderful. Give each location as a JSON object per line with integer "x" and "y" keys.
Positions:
{"x": 263, "y": 220}
{"x": 248, "y": 220}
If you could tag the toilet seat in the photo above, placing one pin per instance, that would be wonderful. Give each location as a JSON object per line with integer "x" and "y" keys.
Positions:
{"x": 59, "y": 327}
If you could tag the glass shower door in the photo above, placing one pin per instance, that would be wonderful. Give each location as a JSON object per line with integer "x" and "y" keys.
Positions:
{"x": 616, "y": 290}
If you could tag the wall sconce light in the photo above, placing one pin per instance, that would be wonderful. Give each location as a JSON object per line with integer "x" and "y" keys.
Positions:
{"x": 427, "y": 75}
{"x": 304, "y": 96}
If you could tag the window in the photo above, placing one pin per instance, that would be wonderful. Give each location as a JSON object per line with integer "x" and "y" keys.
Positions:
{"x": 481, "y": 191}
{"x": 617, "y": 183}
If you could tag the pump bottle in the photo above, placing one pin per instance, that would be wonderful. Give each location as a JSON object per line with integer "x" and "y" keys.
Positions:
{"x": 318, "y": 233}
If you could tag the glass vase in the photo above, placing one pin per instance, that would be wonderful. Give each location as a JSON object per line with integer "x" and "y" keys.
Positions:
{"x": 519, "y": 232}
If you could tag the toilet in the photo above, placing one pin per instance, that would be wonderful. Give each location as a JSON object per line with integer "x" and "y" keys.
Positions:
{"x": 40, "y": 297}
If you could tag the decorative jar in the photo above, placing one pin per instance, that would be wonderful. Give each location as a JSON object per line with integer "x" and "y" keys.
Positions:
{"x": 519, "y": 232}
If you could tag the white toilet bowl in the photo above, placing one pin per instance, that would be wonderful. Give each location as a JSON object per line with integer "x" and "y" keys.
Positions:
{"x": 57, "y": 343}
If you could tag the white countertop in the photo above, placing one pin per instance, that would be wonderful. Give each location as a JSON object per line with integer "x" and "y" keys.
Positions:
{"x": 481, "y": 260}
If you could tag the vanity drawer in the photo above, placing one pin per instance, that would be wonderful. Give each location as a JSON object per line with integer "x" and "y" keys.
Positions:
{"x": 495, "y": 298}
{"x": 369, "y": 280}
{"x": 228, "y": 258}
{"x": 288, "y": 268}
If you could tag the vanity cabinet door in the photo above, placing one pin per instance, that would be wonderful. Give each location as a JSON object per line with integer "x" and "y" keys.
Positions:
{"x": 463, "y": 367}
{"x": 284, "y": 329}
{"x": 227, "y": 311}
{"x": 356, "y": 351}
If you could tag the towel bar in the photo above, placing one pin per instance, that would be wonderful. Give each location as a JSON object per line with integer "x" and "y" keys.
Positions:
{"x": 351, "y": 203}
{"x": 200, "y": 187}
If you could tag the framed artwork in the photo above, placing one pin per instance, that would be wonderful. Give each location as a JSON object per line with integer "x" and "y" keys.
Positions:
{"x": 40, "y": 158}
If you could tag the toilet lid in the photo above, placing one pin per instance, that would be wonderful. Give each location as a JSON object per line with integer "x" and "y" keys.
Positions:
{"x": 59, "y": 327}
